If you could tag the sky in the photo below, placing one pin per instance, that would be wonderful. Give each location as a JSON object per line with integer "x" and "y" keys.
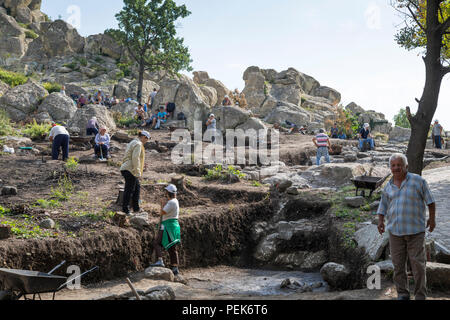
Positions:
{"x": 346, "y": 45}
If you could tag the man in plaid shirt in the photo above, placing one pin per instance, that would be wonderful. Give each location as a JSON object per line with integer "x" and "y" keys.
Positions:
{"x": 403, "y": 204}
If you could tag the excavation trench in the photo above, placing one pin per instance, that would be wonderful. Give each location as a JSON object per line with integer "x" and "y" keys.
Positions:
{"x": 219, "y": 235}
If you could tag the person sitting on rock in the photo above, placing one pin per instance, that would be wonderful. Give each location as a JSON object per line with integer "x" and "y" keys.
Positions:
{"x": 91, "y": 99}
{"x": 169, "y": 235}
{"x": 161, "y": 118}
{"x": 365, "y": 135}
{"x": 342, "y": 135}
{"x": 63, "y": 90}
{"x": 92, "y": 127}
{"x": 334, "y": 132}
{"x": 108, "y": 101}
{"x": 99, "y": 97}
{"x": 140, "y": 113}
{"x": 226, "y": 101}
{"x": 102, "y": 143}
{"x": 82, "y": 101}
{"x": 151, "y": 120}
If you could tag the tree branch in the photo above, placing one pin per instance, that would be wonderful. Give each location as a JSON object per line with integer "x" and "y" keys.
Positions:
{"x": 408, "y": 114}
{"x": 415, "y": 19}
{"x": 445, "y": 70}
{"x": 444, "y": 26}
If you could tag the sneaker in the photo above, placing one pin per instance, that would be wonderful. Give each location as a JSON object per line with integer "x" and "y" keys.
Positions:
{"x": 175, "y": 271}
{"x": 159, "y": 263}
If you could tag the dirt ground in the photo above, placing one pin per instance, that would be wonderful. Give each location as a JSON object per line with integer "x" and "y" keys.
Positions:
{"x": 91, "y": 203}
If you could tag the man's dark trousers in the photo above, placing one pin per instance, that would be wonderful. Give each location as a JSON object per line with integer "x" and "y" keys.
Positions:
{"x": 61, "y": 140}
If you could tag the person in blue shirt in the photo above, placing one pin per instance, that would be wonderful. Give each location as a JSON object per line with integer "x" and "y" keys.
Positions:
{"x": 162, "y": 117}
{"x": 102, "y": 141}
{"x": 342, "y": 135}
{"x": 365, "y": 135}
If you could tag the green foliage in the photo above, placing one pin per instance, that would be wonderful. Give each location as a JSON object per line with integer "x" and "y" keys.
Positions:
{"x": 256, "y": 184}
{"x": 412, "y": 36}
{"x": 349, "y": 231}
{"x": 47, "y": 204}
{"x": 124, "y": 121}
{"x": 233, "y": 171}
{"x": 71, "y": 164}
{"x": 125, "y": 67}
{"x": 26, "y": 228}
{"x": 148, "y": 30}
{"x": 82, "y": 61}
{"x": 52, "y": 87}
{"x": 401, "y": 120}
{"x": 30, "y": 34}
{"x": 120, "y": 75}
{"x": 12, "y": 78}
{"x": 98, "y": 59}
{"x": 73, "y": 65}
{"x": 64, "y": 189}
{"x": 219, "y": 173}
{"x": 5, "y": 124}
{"x": 37, "y": 131}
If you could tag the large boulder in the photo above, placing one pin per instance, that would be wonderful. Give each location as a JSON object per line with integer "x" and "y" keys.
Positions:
{"x": 303, "y": 260}
{"x": 125, "y": 108}
{"x": 373, "y": 243}
{"x": 12, "y": 37}
{"x": 187, "y": 97}
{"x": 59, "y": 106}
{"x": 230, "y": 117}
{"x": 336, "y": 275}
{"x": 14, "y": 5}
{"x": 22, "y": 100}
{"x": 331, "y": 94}
{"x": 103, "y": 44}
{"x": 3, "y": 88}
{"x": 83, "y": 115}
{"x": 23, "y": 15}
{"x": 289, "y": 112}
{"x": 72, "y": 88}
{"x": 200, "y": 77}
{"x": 354, "y": 108}
{"x": 57, "y": 38}
{"x": 252, "y": 123}
{"x": 438, "y": 275}
{"x": 255, "y": 89}
{"x": 221, "y": 89}
{"x": 399, "y": 134}
{"x": 210, "y": 94}
{"x": 127, "y": 88}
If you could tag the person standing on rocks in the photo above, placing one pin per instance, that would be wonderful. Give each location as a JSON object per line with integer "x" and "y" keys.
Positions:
{"x": 92, "y": 127}
{"x": 322, "y": 142}
{"x": 132, "y": 169}
{"x": 437, "y": 134}
{"x": 59, "y": 137}
{"x": 169, "y": 229}
{"x": 403, "y": 204}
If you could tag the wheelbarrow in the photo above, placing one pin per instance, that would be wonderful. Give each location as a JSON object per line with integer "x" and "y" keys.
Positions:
{"x": 367, "y": 182}
{"x": 18, "y": 283}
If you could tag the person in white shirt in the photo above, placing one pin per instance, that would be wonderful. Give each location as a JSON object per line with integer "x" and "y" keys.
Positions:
{"x": 169, "y": 229}
{"x": 60, "y": 139}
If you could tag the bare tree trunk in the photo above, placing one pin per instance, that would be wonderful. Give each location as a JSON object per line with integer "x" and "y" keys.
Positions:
{"x": 420, "y": 123}
{"x": 140, "y": 81}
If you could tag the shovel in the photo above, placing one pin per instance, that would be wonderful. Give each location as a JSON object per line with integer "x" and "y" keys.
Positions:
{"x": 101, "y": 155}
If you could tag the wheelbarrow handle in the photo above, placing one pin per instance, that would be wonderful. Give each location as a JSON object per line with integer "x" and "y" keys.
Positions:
{"x": 57, "y": 267}
{"x": 64, "y": 284}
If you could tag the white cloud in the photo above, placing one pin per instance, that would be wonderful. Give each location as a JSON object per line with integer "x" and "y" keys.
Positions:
{"x": 373, "y": 17}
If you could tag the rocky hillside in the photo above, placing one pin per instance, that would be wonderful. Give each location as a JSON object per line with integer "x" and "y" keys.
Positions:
{"x": 48, "y": 51}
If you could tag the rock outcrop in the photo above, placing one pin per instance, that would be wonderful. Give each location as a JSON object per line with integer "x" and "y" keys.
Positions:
{"x": 59, "y": 106}
{"x": 79, "y": 121}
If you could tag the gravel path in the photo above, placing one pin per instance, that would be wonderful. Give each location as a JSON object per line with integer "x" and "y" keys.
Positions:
{"x": 439, "y": 182}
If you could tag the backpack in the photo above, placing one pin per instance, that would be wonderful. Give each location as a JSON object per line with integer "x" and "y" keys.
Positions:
{"x": 181, "y": 116}
{"x": 171, "y": 107}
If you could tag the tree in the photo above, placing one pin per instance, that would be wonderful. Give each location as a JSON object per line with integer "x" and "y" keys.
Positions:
{"x": 147, "y": 29}
{"x": 401, "y": 119}
{"x": 427, "y": 26}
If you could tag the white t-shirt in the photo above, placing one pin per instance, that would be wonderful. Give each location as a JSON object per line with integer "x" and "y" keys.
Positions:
{"x": 57, "y": 130}
{"x": 172, "y": 209}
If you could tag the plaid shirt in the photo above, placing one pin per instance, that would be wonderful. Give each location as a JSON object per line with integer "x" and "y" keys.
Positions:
{"x": 404, "y": 208}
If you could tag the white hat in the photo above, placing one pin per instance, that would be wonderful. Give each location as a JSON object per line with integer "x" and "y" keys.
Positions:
{"x": 212, "y": 115}
{"x": 436, "y": 120}
{"x": 171, "y": 188}
{"x": 145, "y": 133}
{"x": 366, "y": 125}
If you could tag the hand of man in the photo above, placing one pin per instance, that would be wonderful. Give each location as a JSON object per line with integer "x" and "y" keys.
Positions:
{"x": 431, "y": 223}
{"x": 381, "y": 227}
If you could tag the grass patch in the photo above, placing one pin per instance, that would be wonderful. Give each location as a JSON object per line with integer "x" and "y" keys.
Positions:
{"x": 124, "y": 121}
{"x": 219, "y": 173}
{"x": 5, "y": 124}
{"x": 64, "y": 189}
{"x": 349, "y": 231}
{"x": 26, "y": 228}
{"x": 71, "y": 164}
{"x": 256, "y": 184}
{"x": 73, "y": 65}
{"x": 37, "y": 131}
{"x": 52, "y": 87}
{"x": 12, "y": 79}
{"x": 47, "y": 204}
{"x": 30, "y": 34}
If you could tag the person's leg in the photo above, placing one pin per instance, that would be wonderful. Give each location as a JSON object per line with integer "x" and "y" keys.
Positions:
{"x": 55, "y": 147}
{"x": 398, "y": 250}
{"x": 136, "y": 195}
{"x": 437, "y": 142}
{"x": 361, "y": 142}
{"x": 327, "y": 156}
{"x": 129, "y": 189}
{"x": 157, "y": 246}
{"x": 97, "y": 150}
{"x": 104, "y": 151}
{"x": 318, "y": 157}
{"x": 372, "y": 143}
{"x": 417, "y": 259}
{"x": 65, "y": 146}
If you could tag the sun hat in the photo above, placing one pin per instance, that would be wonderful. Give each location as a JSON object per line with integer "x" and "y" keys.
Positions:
{"x": 212, "y": 115}
{"x": 171, "y": 188}
{"x": 366, "y": 125}
{"x": 146, "y": 134}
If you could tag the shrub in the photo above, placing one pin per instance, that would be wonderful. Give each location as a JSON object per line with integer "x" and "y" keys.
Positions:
{"x": 73, "y": 65}
{"x": 124, "y": 121}
{"x": 125, "y": 67}
{"x": 82, "y": 61}
{"x": 5, "y": 124}
{"x": 13, "y": 79}
{"x": 52, "y": 87}
{"x": 37, "y": 131}
{"x": 30, "y": 34}
{"x": 64, "y": 189}
{"x": 72, "y": 164}
{"x": 46, "y": 204}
